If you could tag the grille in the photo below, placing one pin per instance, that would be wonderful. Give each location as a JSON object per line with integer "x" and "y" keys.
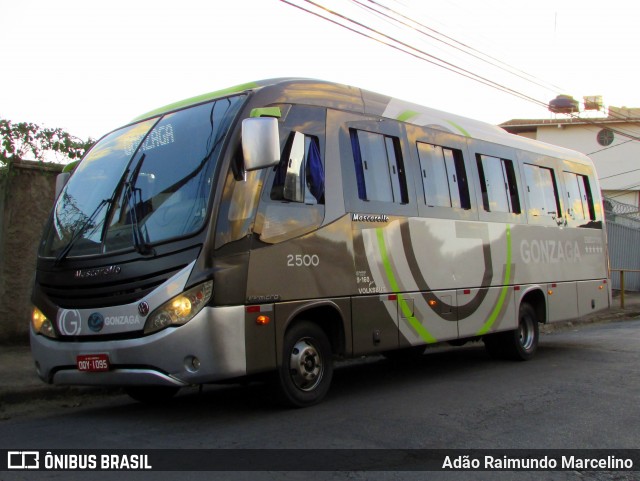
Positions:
{"x": 125, "y": 291}
{"x": 135, "y": 280}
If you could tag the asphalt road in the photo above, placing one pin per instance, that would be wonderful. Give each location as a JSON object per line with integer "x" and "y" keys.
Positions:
{"x": 581, "y": 391}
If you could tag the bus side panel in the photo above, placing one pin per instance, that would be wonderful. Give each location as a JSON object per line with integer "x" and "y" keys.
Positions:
{"x": 389, "y": 259}
{"x": 592, "y": 296}
{"x": 425, "y": 318}
{"x": 497, "y": 312}
{"x": 314, "y": 266}
{"x": 376, "y": 326}
{"x": 562, "y": 300}
{"x": 260, "y": 338}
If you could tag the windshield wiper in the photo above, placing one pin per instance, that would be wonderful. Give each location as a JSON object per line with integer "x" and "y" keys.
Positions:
{"x": 141, "y": 245}
{"x": 76, "y": 235}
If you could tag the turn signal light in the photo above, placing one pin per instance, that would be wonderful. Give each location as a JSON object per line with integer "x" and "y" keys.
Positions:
{"x": 263, "y": 320}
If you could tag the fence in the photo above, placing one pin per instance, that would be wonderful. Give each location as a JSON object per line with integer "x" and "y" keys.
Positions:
{"x": 622, "y": 274}
{"x": 623, "y": 239}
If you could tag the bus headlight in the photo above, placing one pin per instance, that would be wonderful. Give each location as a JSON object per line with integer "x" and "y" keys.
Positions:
{"x": 42, "y": 325}
{"x": 181, "y": 309}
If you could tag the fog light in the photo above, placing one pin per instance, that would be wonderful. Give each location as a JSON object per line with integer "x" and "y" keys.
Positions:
{"x": 195, "y": 362}
{"x": 191, "y": 363}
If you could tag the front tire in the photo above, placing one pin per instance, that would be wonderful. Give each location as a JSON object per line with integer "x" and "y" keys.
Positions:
{"x": 307, "y": 366}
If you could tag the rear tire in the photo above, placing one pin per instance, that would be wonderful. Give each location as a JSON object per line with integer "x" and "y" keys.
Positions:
{"x": 519, "y": 344}
{"x": 522, "y": 343}
{"x": 307, "y": 365}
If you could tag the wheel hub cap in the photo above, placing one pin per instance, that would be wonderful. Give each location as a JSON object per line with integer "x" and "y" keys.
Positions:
{"x": 305, "y": 365}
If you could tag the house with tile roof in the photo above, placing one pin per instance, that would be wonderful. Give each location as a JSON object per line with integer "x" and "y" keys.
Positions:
{"x": 612, "y": 141}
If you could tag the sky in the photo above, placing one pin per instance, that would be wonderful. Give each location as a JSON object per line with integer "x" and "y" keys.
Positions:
{"x": 89, "y": 67}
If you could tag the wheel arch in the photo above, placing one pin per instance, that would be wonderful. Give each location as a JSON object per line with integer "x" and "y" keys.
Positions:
{"x": 325, "y": 314}
{"x": 536, "y": 298}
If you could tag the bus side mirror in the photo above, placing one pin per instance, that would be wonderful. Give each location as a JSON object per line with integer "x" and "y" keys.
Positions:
{"x": 61, "y": 181}
{"x": 260, "y": 143}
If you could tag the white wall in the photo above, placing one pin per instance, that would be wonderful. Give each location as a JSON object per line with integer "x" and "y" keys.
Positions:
{"x": 621, "y": 157}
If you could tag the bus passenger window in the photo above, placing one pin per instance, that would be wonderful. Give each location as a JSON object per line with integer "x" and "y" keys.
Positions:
{"x": 542, "y": 191}
{"x": 300, "y": 175}
{"x": 498, "y": 184}
{"x": 579, "y": 199}
{"x": 444, "y": 178}
{"x": 379, "y": 167}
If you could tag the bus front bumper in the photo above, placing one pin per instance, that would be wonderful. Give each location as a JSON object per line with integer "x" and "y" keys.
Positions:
{"x": 208, "y": 348}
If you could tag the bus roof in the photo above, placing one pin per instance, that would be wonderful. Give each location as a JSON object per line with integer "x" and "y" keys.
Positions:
{"x": 330, "y": 94}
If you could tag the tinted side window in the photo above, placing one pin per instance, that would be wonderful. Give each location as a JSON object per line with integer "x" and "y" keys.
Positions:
{"x": 498, "y": 184}
{"x": 300, "y": 176}
{"x": 542, "y": 191}
{"x": 379, "y": 167}
{"x": 579, "y": 200}
{"x": 444, "y": 179}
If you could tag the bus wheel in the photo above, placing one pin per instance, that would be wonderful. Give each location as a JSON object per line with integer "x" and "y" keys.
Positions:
{"x": 307, "y": 368}
{"x": 151, "y": 394}
{"x": 524, "y": 339}
{"x": 519, "y": 344}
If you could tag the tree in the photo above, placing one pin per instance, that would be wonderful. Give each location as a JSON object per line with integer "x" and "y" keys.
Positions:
{"x": 29, "y": 141}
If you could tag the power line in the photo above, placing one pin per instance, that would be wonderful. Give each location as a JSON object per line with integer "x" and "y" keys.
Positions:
{"x": 421, "y": 54}
{"x": 509, "y": 68}
{"x": 621, "y": 173}
{"x": 402, "y": 46}
{"x": 608, "y": 148}
{"x": 462, "y": 46}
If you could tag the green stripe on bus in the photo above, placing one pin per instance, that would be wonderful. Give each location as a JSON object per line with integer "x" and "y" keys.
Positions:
{"x": 406, "y": 310}
{"x": 503, "y": 293}
{"x": 196, "y": 100}
{"x": 406, "y": 115}
{"x": 266, "y": 112}
{"x": 460, "y": 128}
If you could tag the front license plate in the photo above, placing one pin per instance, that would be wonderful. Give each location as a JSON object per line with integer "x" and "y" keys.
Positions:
{"x": 93, "y": 362}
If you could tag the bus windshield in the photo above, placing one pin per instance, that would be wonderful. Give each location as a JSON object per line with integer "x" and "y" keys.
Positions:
{"x": 143, "y": 184}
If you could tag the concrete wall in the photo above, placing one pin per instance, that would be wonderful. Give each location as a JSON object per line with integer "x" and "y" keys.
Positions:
{"x": 26, "y": 199}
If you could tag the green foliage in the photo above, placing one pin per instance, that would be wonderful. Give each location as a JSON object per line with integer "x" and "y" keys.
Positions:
{"x": 28, "y": 141}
